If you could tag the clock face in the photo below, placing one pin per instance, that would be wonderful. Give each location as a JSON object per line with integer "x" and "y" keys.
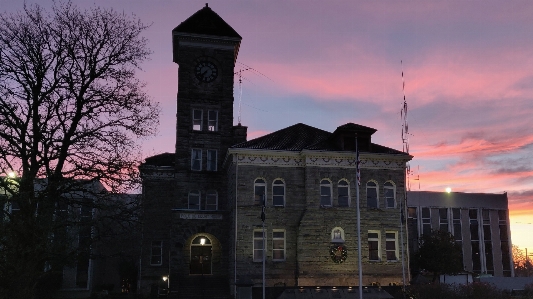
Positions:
{"x": 206, "y": 71}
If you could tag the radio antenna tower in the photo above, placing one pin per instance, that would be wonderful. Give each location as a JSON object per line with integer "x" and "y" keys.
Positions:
{"x": 239, "y": 73}
{"x": 405, "y": 132}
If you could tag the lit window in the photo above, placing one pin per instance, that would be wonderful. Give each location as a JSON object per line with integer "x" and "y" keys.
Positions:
{"x": 259, "y": 191}
{"x": 391, "y": 246}
{"x": 325, "y": 193}
{"x": 343, "y": 192}
{"x": 278, "y": 193}
{"x": 197, "y": 120}
{"x": 211, "y": 201}
{"x": 374, "y": 244}
{"x": 156, "y": 256}
{"x": 390, "y": 195}
{"x": 258, "y": 245}
{"x": 278, "y": 245}
{"x": 371, "y": 195}
{"x": 212, "y": 120}
{"x": 194, "y": 200}
{"x": 196, "y": 159}
{"x": 337, "y": 235}
{"x": 212, "y": 160}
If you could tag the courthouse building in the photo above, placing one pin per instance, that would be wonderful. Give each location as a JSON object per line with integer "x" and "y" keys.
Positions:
{"x": 202, "y": 205}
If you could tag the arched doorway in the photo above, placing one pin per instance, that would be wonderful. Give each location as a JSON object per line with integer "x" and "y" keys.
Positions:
{"x": 201, "y": 253}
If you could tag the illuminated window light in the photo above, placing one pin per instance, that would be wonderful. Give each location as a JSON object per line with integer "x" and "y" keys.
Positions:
{"x": 202, "y": 241}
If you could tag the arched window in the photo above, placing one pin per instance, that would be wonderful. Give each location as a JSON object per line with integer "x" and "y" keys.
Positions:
{"x": 211, "y": 200}
{"x": 325, "y": 193}
{"x": 337, "y": 235}
{"x": 278, "y": 193}
{"x": 372, "y": 195}
{"x": 343, "y": 194}
{"x": 259, "y": 191}
{"x": 390, "y": 192}
{"x": 194, "y": 200}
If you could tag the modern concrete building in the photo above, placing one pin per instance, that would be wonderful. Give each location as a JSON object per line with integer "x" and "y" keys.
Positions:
{"x": 202, "y": 205}
{"x": 479, "y": 222}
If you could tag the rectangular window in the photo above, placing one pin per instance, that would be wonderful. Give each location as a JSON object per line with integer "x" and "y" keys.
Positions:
{"x": 278, "y": 193}
{"x": 212, "y": 160}
{"x": 211, "y": 201}
{"x": 325, "y": 193}
{"x": 426, "y": 221}
{"x": 212, "y": 120}
{"x": 411, "y": 213}
{"x": 258, "y": 245}
{"x": 343, "y": 199}
{"x": 390, "y": 201}
{"x": 194, "y": 200}
{"x": 371, "y": 195}
{"x": 504, "y": 245}
{"x": 197, "y": 120}
{"x": 456, "y": 214}
{"x": 196, "y": 159}
{"x": 443, "y": 219}
{"x": 278, "y": 245}
{"x": 391, "y": 246}
{"x": 259, "y": 192}
{"x": 474, "y": 237}
{"x": 374, "y": 245}
{"x": 156, "y": 256}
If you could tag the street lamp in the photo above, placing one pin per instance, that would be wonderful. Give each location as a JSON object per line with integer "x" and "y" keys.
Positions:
{"x": 167, "y": 280}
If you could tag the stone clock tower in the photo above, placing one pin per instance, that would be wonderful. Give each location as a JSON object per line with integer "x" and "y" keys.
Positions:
{"x": 187, "y": 222}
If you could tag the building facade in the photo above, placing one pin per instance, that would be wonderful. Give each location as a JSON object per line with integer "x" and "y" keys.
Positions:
{"x": 202, "y": 205}
{"x": 478, "y": 221}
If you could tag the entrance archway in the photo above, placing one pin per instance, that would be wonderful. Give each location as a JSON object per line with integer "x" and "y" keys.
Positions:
{"x": 201, "y": 254}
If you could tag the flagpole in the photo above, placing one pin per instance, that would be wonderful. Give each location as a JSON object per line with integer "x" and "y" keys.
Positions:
{"x": 263, "y": 216}
{"x": 358, "y": 219}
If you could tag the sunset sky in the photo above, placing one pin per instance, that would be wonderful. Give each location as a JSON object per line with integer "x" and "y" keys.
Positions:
{"x": 468, "y": 69}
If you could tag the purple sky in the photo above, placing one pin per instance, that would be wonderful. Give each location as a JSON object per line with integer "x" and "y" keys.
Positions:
{"x": 468, "y": 68}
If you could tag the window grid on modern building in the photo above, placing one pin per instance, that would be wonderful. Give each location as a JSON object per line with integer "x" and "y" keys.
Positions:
{"x": 197, "y": 120}
{"x": 443, "y": 219}
{"x": 325, "y": 193}
{"x": 487, "y": 239}
{"x": 278, "y": 245}
{"x": 504, "y": 243}
{"x": 374, "y": 245}
{"x": 258, "y": 245}
{"x": 372, "y": 195}
{"x": 475, "y": 241}
{"x": 426, "y": 221}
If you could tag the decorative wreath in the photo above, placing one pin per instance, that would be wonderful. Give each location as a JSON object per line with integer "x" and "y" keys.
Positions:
{"x": 338, "y": 253}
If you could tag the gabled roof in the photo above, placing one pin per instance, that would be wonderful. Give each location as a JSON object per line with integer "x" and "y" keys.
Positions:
{"x": 206, "y": 22}
{"x": 164, "y": 159}
{"x": 300, "y": 136}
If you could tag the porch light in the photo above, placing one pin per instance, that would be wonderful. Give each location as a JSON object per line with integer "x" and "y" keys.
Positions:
{"x": 202, "y": 241}
{"x": 165, "y": 278}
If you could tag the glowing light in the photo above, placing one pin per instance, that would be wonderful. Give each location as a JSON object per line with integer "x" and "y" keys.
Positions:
{"x": 202, "y": 241}
{"x": 12, "y": 174}
{"x": 165, "y": 278}
{"x": 448, "y": 189}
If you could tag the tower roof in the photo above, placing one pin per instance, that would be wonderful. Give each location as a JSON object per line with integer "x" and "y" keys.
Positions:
{"x": 206, "y": 22}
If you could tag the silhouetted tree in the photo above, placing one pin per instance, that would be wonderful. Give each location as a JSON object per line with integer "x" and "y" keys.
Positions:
{"x": 440, "y": 254}
{"x": 71, "y": 113}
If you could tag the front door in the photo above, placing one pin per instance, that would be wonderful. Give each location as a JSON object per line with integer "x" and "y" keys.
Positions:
{"x": 200, "y": 259}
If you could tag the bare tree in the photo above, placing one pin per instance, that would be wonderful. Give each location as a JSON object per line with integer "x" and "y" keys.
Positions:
{"x": 71, "y": 113}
